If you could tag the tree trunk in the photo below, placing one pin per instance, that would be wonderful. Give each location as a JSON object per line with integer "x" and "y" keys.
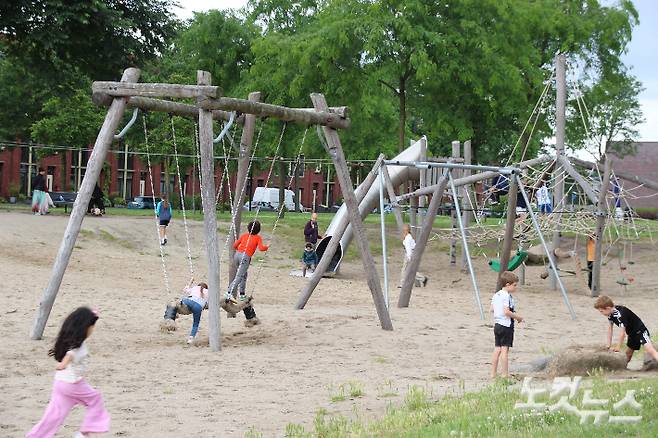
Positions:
{"x": 282, "y": 188}
{"x": 403, "y": 114}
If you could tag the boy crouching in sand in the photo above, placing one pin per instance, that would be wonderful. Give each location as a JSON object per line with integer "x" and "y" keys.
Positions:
{"x": 631, "y": 325}
{"x": 502, "y": 306}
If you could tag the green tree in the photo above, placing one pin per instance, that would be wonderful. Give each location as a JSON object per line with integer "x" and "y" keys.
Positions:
{"x": 72, "y": 121}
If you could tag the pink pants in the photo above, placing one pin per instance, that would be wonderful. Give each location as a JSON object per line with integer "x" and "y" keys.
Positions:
{"x": 64, "y": 397}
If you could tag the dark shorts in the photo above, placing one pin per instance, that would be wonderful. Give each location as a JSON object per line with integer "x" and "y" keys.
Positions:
{"x": 308, "y": 266}
{"x": 636, "y": 340}
{"x": 504, "y": 336}
{"x": 164, "y": 222}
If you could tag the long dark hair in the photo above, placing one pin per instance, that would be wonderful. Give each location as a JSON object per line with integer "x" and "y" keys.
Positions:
{"x": 73, "y": 332}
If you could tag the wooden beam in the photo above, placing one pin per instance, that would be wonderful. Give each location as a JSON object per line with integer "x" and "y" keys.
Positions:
{"x": 244, "y": 156}
{"x": 600, "y": 228}
{"x": 164, "y": 106}
{"x": 119, "y": 89}
{"x": 94, "y": 166}
{"x": 392, "y": 198}
{"x": 335, "y": 150}
{"x": 639, "y": 180}
{"x": 422, "y": 180}
{"x": 210, "y": 218}
{"x": 475, "y": 178}
{"x": 297, "y": 115}
{"x": 582, "y": 182}
{"x": 508, "y": 240}
{"x": 421, "y": 242}
{"x": 332, "y": 247}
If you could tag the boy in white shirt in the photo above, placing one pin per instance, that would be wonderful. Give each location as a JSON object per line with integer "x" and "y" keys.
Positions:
{"x": 502, "y": 306}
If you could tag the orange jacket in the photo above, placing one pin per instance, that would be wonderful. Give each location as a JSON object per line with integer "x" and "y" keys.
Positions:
{"x": 247, "y": 243}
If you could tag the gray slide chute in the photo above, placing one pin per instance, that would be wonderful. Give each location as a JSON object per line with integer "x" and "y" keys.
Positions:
{"x": 399, "y": 175}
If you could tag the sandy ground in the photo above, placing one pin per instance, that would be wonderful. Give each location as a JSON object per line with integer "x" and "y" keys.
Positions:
{"x": 282, "y": 371}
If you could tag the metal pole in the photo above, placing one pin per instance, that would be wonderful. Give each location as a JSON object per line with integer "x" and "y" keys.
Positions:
{"x": 549, "y": 253}
{"x": 558, "y": 172}
{"x": 460, "y": 221}
{"x": 383, "y": 226}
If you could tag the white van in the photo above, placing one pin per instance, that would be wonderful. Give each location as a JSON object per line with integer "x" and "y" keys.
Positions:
{"x": 268, "y": 197}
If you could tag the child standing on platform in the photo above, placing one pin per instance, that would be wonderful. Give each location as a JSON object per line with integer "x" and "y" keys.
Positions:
{"x": 70, "y": 388}
{"x": 245, "y": 248}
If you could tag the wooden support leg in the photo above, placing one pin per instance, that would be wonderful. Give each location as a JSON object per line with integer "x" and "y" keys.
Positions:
{"x": 600, "y": 228}
{"x": 209, "y": 217}
{"x": 453, "y": 214}
{"x": 335, "y": 150}
{"x": 94, "y": 166}
{"x": 509, "y": 229}
{"x": 421, "y": 243}
{"x": 244, "y": 155}
{"x": 332, "y": 247}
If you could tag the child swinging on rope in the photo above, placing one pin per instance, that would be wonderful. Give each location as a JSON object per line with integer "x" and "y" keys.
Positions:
{"x": 245, "y": 248}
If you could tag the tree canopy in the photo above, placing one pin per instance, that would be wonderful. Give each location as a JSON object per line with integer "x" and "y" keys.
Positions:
{"x": 461, "y": 69}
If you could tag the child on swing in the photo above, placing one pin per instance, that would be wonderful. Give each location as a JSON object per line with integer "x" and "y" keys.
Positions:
{"x": 197, "y": 298}
{"x": 70, "y": 388}
{"x": 245, "y": 248}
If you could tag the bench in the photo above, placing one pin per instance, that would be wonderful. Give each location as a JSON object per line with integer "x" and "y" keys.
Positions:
{"x": 63, "y": 199}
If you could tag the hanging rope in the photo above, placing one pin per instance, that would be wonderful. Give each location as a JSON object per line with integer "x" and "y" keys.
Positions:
{"x": 182, "y": 199}
{"x": 278, "y": 216}
{"x": 155, "y": 211}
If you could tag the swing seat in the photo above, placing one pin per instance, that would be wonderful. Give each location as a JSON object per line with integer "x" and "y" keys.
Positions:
{"x": 514, "y": 263}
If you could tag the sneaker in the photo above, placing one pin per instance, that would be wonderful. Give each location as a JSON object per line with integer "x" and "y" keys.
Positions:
{"x": 164, "y": 242}
{"x": 425, "y": 281}
{"x": 190, "y": 340}
{"x": 243, "y": 297}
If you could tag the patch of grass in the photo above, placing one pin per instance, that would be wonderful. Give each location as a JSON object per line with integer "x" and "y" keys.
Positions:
{"x": 380, "y": 359}
{"x": 86, "y": 233}
{"x": 490, "y": 413}
{"x": 253, "y": 433}
{"x": 387, "y": 389}
{"x": 104, "y": 235}
{"x": 345, "y": 391}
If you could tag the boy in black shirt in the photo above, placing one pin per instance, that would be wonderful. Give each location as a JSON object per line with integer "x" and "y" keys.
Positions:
{"x": 630, "y": 324}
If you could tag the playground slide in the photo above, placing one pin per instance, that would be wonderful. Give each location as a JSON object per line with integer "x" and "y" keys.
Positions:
{"x": 399, "y": 175}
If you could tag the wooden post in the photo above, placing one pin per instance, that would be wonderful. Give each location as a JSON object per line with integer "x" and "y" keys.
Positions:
{"x": 509, "y": 229}
{"x": 602, "y": 213}
{"x": 94, "y": 166}
{"x": 392, "y": 198}
{"x": 467, "y": 194}
{"x": 29, "y": 171}
{"x": 331, "y": 248}
{"x": 453, "y": 212}
{"x": 421, "y": 242}
{"x": 209, "y": 216}
{"x": 244, "y": 156}
{"x": 558, "y": 173}
{"x": 335, "y": 150}
{"x": 125, "y": 171}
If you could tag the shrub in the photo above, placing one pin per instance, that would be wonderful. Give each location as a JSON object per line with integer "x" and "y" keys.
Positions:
{"x": 647, "y": 212}
{"x": 119, "y": 201}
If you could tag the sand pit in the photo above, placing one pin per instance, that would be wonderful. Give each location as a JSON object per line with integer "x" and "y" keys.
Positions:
{"x": 283, "y": 370}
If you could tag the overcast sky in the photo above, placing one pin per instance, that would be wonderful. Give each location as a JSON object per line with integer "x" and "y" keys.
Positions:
{"x": 642, "y": 54}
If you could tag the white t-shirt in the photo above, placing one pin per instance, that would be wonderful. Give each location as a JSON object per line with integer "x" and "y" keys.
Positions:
{"x": 499, "y": 301}
{"x": 409, "y": 245}
{"x": 543, "y": 197}
{"x": 196, "y": 295}
{"x": 75, "y": 370}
